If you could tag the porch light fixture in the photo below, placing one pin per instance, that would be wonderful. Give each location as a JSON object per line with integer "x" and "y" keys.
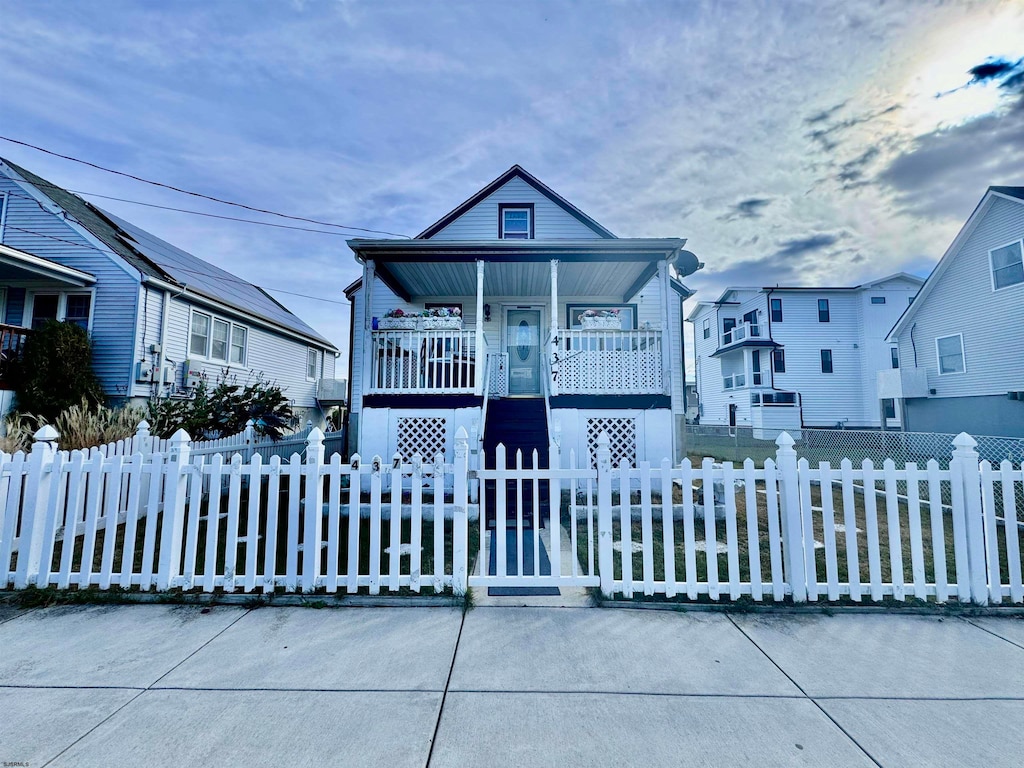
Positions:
{"x": 487, "y": 313}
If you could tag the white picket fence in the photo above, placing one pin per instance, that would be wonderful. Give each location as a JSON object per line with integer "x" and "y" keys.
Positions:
{"x": 178, "y": 519}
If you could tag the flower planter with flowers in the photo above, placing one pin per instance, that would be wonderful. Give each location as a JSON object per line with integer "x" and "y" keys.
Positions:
{"x": 601, "y": 319}
{"x": 442, "y": 319}
{"x": 398, "y": 320}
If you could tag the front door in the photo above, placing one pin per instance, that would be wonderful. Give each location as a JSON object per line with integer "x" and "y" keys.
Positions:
{"x": 522, "y": 334}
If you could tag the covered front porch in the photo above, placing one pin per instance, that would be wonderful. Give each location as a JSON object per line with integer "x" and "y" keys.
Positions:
{"x": 34, "y": 290}
{"x": 534, "y": 319}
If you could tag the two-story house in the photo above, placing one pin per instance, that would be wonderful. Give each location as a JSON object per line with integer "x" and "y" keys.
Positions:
{"x": 158, "y": 317}
{"x": 784, "y": 357}
{"x": 556, "y": 331}
{"x": 961, "y": 341}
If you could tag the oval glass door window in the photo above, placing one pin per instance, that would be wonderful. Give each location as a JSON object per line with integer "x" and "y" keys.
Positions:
{"x": 523, "y": 340}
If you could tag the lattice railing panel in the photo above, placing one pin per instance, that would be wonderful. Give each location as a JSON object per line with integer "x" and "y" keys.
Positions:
{"x": 423, "y": 435}
{"x": 622, "y": 436}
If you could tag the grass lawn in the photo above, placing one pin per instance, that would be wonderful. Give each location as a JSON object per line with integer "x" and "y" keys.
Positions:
{"x": 150, "y": 528}
{"x": 761, "y": 553}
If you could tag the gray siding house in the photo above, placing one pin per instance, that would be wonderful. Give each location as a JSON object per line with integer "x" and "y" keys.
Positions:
{"x": 960, "y": 342}
{"x": 158, "y": 317}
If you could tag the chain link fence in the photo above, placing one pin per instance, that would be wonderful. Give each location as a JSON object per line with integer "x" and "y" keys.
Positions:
{"x": 834, "y": 445}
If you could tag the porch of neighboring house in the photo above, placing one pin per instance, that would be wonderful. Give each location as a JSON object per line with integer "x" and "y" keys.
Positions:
{"x": 34, "y": 290}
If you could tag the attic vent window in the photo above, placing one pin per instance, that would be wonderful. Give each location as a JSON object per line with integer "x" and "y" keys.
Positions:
{"x": 516, "y": 222}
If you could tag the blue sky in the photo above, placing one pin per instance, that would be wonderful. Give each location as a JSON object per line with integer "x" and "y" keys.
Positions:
{"x": 792, "y": 143}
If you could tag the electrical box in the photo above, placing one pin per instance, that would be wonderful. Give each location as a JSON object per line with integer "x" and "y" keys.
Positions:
{"x": 191, "y": 374}
{"x": 144, "y": 371}
{"x": 169, "y": 371}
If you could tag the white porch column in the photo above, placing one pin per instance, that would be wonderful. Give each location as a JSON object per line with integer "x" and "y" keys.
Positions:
{"x": 369, "y": 275}
{"x": 481, "y": 352}
{"x": 666, "y": 336}
{"x": 552, "y": 384}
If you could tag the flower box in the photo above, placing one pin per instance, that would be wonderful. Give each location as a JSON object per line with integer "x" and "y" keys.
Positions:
{"x": 398, "y": 323}
{"x": 601, "y": 323}
{"x": 442, "y": 323}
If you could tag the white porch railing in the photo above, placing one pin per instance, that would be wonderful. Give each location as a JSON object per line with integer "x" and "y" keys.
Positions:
{"x": 423, "y": 362}
{"x": 741, "y": 332}
{"x": 609, "y": 362}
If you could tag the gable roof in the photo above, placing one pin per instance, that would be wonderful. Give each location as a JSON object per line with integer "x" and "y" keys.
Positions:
{"x": 157, "y": 258}
{"x": 515, "y": 171}
{"x": 1016, "y": 194}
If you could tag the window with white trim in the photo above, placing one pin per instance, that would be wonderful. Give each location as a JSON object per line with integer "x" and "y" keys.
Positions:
{"x": 1007, "y": 265}
{"x": 63, "y": 307}
{"x": 707, "y": 328}
{"x": 515, "y": 223}
{"x": 311, "y": 363}
{"x": 216, "y": 338}
{"x": 950, "y": 353}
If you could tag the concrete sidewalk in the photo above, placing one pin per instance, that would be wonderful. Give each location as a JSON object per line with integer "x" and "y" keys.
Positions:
{"x": 160, "y": 685}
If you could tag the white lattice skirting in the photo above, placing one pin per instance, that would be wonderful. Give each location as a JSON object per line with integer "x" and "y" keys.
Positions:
{"x": 622, "y": 433}
{"x": 423, "y": 435}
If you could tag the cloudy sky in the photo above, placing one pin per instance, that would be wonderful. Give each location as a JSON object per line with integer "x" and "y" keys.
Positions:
{"x": 796, "y": 143}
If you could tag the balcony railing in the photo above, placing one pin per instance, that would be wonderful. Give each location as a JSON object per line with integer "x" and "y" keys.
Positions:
{"x": 740, "y": 333}
{"x": 609, "y": 362}
{"x": 12, "y": 341}
{"x": 423, "y": 362}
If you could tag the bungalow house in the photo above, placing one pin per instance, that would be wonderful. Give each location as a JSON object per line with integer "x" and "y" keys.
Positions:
{"x": 159, "y": 318}
{"x": 960, "y": 342}
{"x": 780, "y": 358}
{"x": 553, "y": 330}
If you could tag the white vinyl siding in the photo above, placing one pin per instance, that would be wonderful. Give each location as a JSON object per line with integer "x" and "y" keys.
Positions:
{"x": 551, "y": 221}
{"x": 962, "y": 301}
{"x": 278, "y": 358}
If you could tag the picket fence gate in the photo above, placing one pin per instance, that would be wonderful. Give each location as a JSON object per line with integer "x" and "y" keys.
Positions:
{"x": 156, "y": 514}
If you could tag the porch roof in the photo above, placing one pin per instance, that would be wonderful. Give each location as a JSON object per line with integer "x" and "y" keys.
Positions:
{"x": 19, "y": 265}
{"x": 521, "y": 267}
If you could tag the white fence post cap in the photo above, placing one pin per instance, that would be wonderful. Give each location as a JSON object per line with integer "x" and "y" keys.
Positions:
{"x": 965, "y": 441}
{"x": 181, "y": 436}
{"x": 46, "y": 434}
{"x": 785, "y": 440}
{"x": 143, "y": 428}
{"x": 316, "y": 435}
{"x": 461, "y": 433}
{"x": 603, "y": 441}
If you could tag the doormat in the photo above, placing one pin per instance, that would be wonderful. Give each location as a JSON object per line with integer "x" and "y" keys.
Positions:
{"x": 512, "y": 565}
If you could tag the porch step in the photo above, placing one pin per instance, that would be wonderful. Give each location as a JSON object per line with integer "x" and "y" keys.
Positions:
{"x": 519, "y": 425}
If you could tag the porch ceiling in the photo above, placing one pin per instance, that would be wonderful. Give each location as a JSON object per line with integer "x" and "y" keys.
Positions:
{"x": 19, "y": 265}
{"x": 519, "y": 278}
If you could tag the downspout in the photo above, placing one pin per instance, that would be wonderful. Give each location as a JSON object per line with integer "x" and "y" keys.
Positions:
{"x": 164, "y": 321}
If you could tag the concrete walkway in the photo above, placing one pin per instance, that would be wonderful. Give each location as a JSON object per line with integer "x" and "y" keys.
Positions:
{"x": 160, "y": 685}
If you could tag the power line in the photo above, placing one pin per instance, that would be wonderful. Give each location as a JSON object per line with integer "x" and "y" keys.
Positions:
{"x": 180, "y": 210}
{"x": 181, "y": 269}
{"x": 198, "y": 194}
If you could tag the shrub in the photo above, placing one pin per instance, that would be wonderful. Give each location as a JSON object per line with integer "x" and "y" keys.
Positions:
{"x": 223, "y": 408}
{"x": 81, "y": 426}
{"x": 55, "y": 371}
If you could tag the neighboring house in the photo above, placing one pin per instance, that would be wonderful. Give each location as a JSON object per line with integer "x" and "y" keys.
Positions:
{"x": 961, "y": 341}
{"x": 158, "y": 317}
{"x": 782, "y": 358}
{"x": 523, "y": 265}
